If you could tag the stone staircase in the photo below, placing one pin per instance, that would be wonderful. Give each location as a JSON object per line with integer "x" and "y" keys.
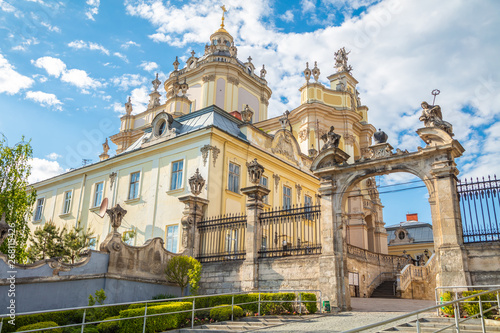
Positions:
{"x": 245, "y": 324}
{"x": 436, "y": 323}
{"x": 384, "y": 290}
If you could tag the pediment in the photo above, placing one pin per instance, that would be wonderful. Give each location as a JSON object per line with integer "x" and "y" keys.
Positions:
{"x": 285, "y": 145}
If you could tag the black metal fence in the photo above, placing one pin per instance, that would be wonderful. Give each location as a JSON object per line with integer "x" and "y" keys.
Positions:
{"x": 290, "y": 231}
{"x": 222, "y": 238}
{"x": 479, "y": 204}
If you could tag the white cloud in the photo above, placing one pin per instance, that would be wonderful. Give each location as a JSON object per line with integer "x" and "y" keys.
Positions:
{"x": 118, "y": 107}
{"x": 42, "y": 169}
{"x": 129, "y": 44}
{"x": 10, "y": 80}
{"x": 308, "y": 5}
{"x": 41, "y": 78}
{"x": 128, "y": 80}
{"x": 53, "y": 66}
{"x": 149, "y": 65}
{"x": 24, "y": 45}
{"x": 44, "y": 99}
{"x": 140, "y": 99}
{"x": 92, "y": 9}
{"x": 287, "y": 16}
{"x": 121, "y": 56}
{"x": 77, "y": 77}
{"x": 7, "y": 7}
{"x": 80, "y": 44}
{"x": 53, "y": 156}
{"x": 50, "y": 27}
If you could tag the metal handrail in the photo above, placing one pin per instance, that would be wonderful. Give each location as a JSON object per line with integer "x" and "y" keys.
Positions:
{"x": 455, "y": 305}
{"x": 190, "y": 298}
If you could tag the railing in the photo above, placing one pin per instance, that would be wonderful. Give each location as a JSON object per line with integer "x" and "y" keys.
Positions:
{"x": 479, "y": 204}
{"x": 290, "y": 231}
{"x": 417, "y": 273}
{"x": 222, "y": 238}
{"x": 299, "y": 301}
{"x": 456, "y": 306}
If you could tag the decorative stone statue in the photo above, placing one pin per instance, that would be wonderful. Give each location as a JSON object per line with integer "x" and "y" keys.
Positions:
{"x": 315, "y": 71}
{"x": 255, "y": 171}
{"x": 247, "y": 114}
{"x": 307, "y": 73}
{"x": 156, "y": 83}
{"x": 4, "y": 229}
{"x": 331, "y": 139}
{"x": 284, "y": 121}
{"x": 380, "y": 136}
{"x": 196, "y": 183}
{"x": 341, "y": 61}
{"x": 233, "y": 51}
{"x": 176, "y": 64}
{"x": 116, "y": 215}
{"x": 128, "y": 106}
{"x": 105, "y": 146}
{"x": 263, "y": 72}
{"x": 432, "y": 117}
{"x": 184, "y": 87}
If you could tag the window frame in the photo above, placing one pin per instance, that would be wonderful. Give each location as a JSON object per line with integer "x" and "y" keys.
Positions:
{"x": 265, "y": 198}
{"x": 233, "y": 186}
{"x": 173, "y": 239}
{"x": 176, "y": 173}
{"x": 66, "y": 207}
{"x": 37, "y": 207}
{"x": 287, "y": 197}
{"x": 96, "y": 243}
{"x": 94, "y": 197}
{"x": 136, "y": 184}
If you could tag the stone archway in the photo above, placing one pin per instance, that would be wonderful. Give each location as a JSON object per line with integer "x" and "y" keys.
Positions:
{"x": 434, "y": 165}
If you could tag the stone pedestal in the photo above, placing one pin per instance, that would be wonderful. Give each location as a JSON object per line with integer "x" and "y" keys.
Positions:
{"x": 192, "y": 214}
{"x": 250, "y": 268}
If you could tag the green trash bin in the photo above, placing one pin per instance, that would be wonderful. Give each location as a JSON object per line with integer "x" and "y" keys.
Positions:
{"x": 326, "y": 306}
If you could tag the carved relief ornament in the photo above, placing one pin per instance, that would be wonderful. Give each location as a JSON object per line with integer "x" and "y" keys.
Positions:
{"x": 207, "y": 78}
{"x": 204, "y": 153}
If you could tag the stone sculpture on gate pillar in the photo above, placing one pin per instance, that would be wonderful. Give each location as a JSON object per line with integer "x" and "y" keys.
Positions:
{"x": 255, "y": 194}
{"x": 113, "y": 241}
{"x": 192, "y": 214}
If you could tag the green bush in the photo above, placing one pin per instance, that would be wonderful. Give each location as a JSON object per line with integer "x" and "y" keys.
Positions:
{"x": 143, "y": 305}
{"x": 61, "y": 317}
{"x": 224, "y": 313}
{"x": 473, "y": 308}
{"x": 98, "y": 314}
{"x": 110, "y": 326}
{"x": 156, "y": 323}
{"x": 78, "y": 329}
{"x": 43, "y": 324}
{"x": 164, "y": 296}
{"x": 310, "y": 306}
{"x": 447, "y": 297}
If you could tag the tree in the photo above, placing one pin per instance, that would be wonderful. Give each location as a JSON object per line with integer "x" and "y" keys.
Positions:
{"x": 46, "y": 242}
{"x": 17, "y": 197}
{"x": 184, "y": 271}
{"x": 74, "y": 242}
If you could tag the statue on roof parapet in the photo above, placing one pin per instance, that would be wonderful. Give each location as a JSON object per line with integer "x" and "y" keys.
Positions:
{"x": 432, "y": 117}
{"x": 341, "y": 61}
{"x": 331, "y": 139}
{"x": 128, "y": 106}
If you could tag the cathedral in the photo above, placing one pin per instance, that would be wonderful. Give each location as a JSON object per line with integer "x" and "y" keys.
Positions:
{"x": 213, "y": 123}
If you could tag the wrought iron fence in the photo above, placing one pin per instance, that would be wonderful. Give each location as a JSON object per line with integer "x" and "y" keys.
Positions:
{"x": 290, "y": 231}
{"x": 479, "y": 204}
{"x": 222, "y": 238}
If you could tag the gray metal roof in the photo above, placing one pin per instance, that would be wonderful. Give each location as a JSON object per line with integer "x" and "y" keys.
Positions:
{"x": 207, "y": 117}
{"x": 421, "y": 232}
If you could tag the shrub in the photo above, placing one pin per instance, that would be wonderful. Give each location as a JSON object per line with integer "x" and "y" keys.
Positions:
{"x": 164, "y": 296}
{"x": 100, "y": 297}
{"x": 43, "y": 324}
{"x": 224, "y": 313}
{"x": 473, "y": 308}
{"x": 447, "y": 297}
{"x": 60, "y": 317}
{"x": 78, "y": 329}
{"x": 143, "y": 305}
{"x": 157, "y": 323}
{"x": 110, "y": 326}
{"x": 310, "y": 306}
{"x": 184, "y": 271}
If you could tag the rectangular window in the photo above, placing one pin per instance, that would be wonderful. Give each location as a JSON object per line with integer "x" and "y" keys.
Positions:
{"x": 93, "y": 243}
{"x": 308, "y": 201}
{"x": 172, "y": 238}
{"x": 39, "y": 209}
{"x": 98, "y": 194}
{"x": 287, "y": 197}
{"x": 264, "y": 182}
{"x": 233, "y": 183}
{"x": 67, "y": 202}
{"x": 176, "y": 181}
{"x": 133, "y": 191}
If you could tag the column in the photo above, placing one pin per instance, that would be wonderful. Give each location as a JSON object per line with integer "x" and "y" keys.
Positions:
{"x": 192, "y": 215}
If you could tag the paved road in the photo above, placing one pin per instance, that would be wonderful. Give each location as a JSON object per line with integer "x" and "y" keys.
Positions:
{"x": 365, "y": 311}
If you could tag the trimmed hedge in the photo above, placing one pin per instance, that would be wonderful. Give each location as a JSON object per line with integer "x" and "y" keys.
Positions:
{"x": 43, "y": 324}
{"x": 157, "y": 323}
{"x": 110, "y": 326}
{"x": 473, "y": 308}
{"x": 60, "y": 317}
{"x": 447, "y": 297}
{"x": 310, "y": 306}
{"x": 224, "y": 313}
{"x": 143, "y": 305}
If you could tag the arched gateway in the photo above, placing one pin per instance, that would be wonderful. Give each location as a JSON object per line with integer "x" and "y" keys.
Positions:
{"x": 434, "y": 165}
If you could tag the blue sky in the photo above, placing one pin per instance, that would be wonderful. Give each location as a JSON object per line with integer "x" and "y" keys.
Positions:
{"x": 66, "y": 68}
